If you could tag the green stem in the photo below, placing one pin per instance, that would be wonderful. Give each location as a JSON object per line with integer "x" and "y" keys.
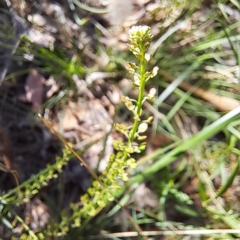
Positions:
{"x": 141, "y": 94}
{"x": 140, "y": 99}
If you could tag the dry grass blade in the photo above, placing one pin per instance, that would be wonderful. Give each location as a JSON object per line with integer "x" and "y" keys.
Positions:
{"x": 69, "y": 147}
{"x": 221, "y": 103}
{"x": 7, "y": 167}
{"x": 193, "y": 232}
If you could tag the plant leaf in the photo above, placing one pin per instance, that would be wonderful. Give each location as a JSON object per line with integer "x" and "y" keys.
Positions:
{"x": 229, "y": 182}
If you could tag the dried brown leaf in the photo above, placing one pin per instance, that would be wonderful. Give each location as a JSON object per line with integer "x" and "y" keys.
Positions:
{"x": 34, "y": 88}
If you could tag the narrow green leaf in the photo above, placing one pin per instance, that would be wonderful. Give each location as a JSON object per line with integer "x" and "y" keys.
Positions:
{"x": 202, "y": 191}
{"x": 229, "y": 182}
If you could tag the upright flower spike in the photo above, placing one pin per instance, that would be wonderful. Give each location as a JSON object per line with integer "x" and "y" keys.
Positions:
{"x": 102, "y": 191}
{"x": 139, "y": 41}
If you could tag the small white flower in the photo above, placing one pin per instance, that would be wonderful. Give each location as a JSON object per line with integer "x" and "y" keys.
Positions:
{"x": 147, "y": 57}
{"x": 152, "y": 93}
{"x": 155, "y": 71}
{"x": 142, "y": 127}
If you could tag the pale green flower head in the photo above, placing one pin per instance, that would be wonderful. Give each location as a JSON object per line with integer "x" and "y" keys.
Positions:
{"x": 140, "y": 33}
{"x": 139, "y": 38}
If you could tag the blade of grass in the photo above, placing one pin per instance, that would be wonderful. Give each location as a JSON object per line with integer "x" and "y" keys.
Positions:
{"x": 89, "y": 9}
{"x": 170, "y": 31}
{"x": 176, "y": 82}
{"x": 236, "y": 3}
{"x": 215, "y": 43}
{"x": 190, "y": 143}
{"x": 222, "y": 103}
{"x": 68, "y": 146}
{"x": 229, "y": 181}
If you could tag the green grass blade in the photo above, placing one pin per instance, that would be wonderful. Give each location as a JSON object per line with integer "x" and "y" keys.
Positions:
{"x": 192, "y": 142}
{"x": 229, "y": 182}
{"x": 236, "y": 3}
{"x": 215, "y": 43}
{"x": 89, "y": 9}
{"x": 177, "y": 81}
